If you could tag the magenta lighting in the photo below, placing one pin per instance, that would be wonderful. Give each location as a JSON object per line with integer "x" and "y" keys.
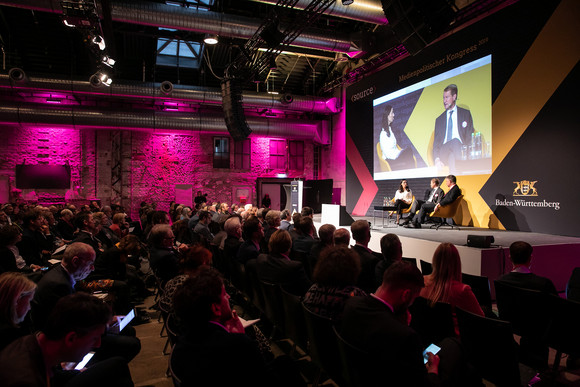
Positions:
{"x": 53, "y": 100}
{"x": 171, "y": 106}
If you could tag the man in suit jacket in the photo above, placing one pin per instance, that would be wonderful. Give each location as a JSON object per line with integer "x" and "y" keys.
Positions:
{"x": 253, "y": 233}
{"x": 432, "y": 197}
{"x": 361, "y": 233}
{"x": 162, "y": 257}
{"x": 202, "y": 228}
{"x": 378, "y": 325}
{"x": 278, "y": 268}
{"x": 77, "y": 262}
{"x": 453, "y": 128}
{"x": 521, "y": 276}
{"x": 451, "y": 195}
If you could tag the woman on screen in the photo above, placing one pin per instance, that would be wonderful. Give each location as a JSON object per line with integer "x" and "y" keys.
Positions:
{"x": 403, "y": 198}
{"x": 391, "y": 152}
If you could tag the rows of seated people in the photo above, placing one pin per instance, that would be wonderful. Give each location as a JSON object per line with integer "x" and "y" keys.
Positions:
{"x": 368, "y": 294}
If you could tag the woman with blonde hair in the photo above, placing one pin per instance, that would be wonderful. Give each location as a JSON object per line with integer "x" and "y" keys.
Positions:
{"x": 444, "y": 284}
{"x": 16, "y": 292}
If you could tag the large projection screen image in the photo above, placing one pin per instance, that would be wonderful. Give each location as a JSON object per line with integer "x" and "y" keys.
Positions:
{"x": 424, "y": 131}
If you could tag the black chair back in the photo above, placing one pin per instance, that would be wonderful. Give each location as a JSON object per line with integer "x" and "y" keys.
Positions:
{"x": 564, "y": 330}
{"x": 273, "y": 304}
{"x": 323, "y": 344}
{"x": 490, "y": 347}
{"x": 426, "y": 267}
{"x": 305, "y": 259}
{"x": 353, "y": 361}
{"x": 239, "y": 277}
{"x": 256, "y": 291}
{"x": 294, "y": 323}
{"x": 411, "y": 260}
{"x": 573, "y": 286}
{"x": 432, "y": 323}
{"x": 480, "y": 287}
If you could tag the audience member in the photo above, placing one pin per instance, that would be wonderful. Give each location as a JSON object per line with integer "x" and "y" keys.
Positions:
{"x": 392, "y": 251}
{"x": 214, "y": 349}
{"x": 448, "y": 198}
{"x": 234, "y": 240}
{"x": 103, "y": 233}
{"x": 74, "y": 328}
{"x": 303, "y": 243}
{"x": 573, "y": 287}
{"x": 432, "y": 197}
{"x": 87, "y": 231}
{"x": 521, "y": 275}
{"x": 295, "y": 222}
{"x": 335, "y": 276}
{"x": 326, "y": 233}
{"x": 35, "y": 246}
{"x": 120, "y": 226}
{"x": 444, "y": 284}
{"x": 10, "y": 258}
{"x": 361, "y": 233}
{"x": 342, "y": 237}
{"x": 273, "y": 220}
{"x": 16, "y": 292}
{"x": 285, "y": 222}
{"x": 253, "y": 233}
{"x": 162, "y": 257}
{"x": 277, "y": 268}
{"x": 202, "y": 228}
{"x": 65, "y": 225}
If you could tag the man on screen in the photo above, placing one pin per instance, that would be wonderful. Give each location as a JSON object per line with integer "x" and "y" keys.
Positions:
{"x": 453, "y": 129}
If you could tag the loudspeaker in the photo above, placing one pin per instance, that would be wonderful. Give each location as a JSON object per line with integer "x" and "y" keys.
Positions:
{"x": 234, "y": 114}
{"x": 345, "y": 219}
{"x": 481, "y": 241}
{"x": 166, "y": 87}
{"x": 419, "y": 22}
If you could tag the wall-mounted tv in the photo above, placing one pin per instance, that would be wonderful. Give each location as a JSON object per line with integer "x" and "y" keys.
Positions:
{"x": 42, "y": 176}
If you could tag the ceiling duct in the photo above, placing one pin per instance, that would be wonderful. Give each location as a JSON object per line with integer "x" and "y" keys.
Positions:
{"x": 316, "y": 131}
{"x": 186, "y": 94}
{"x": 190, "y": 19}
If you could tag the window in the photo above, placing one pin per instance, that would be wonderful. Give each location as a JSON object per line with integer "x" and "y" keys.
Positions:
{"x": 296, "y": 159}
{"x": 242, "y": 151}
{"x": 179, "y": 53}
{"x": 221, "y": 152}
{"x": 278, "y": 154}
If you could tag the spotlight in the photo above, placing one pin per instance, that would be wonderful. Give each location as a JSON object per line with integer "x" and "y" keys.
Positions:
{"x": 100, "y": 78}
{"x": 166, "y": 87}
{"x": 99, "y": 41}
{"x": 108, "y": 61}
{"x": 347, "y": 2}
{"x": 211, "y": 39}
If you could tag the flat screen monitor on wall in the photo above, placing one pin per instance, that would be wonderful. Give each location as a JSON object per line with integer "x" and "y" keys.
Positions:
{"x": 42, "y": 176}
{"x": 415, "y": 134}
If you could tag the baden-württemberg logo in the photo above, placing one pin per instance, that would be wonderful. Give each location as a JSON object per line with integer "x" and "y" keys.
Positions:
{"x": 525, "y": 188}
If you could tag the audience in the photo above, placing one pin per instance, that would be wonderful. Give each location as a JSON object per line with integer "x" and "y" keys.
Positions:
{"x": 120, "y": 226}
{"x": 253, "y": 233}
{"x": 361, "y": 233}
{"x": 87, "y": 231}
{"x": 444, "y": 284}
{"x": 35, "y": 245}
{"x": 162, "y": 257}
{"x": 202, "y": 228}
{"x": 65, "y": 225}
{"x": 10, "y": 258}
{"x": 326, "y": 233}
{"x": 303, "y": 243}
{"x": 342, "y": 237}
{"x": 16, "y": 292}
{"x": 273, "y": 220}
{"x": 285, "y": 222}
{"x": 335, "y": 276}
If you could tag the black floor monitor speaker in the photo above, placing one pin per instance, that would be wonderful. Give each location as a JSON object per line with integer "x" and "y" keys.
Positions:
{"x": 345, "y": 219}
{"x": 481, "y": 241}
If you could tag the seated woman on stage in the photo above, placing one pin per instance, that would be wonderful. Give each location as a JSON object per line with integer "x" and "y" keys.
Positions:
{"x": 403, "y": 198}
{"x": 444, "y": 284}
{"x": 391, "y": 152}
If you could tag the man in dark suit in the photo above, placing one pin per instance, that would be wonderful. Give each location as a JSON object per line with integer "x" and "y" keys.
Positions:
{"x": 377, "y": 324}
{"x": 392, "y": 251}
{"x": 361, "y": 233}
{"x": 202, "y": 228}
{"x": 162, "y": 257}
{"x": 35, "y": 246}
{"x": 85, "y": 223}
{"x": 453, "y": 129}
{"x": 278, "y": 268}
{"x": 432, "y": 197}
{"x": 451, "y": 195}
{"x": 521, "y": 275}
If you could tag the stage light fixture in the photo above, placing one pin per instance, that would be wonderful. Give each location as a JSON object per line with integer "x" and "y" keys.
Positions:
{"x": 107, "y": 60}
{"x": 211, "y": 39}
{"x": 100, "y": 78}
{"x": 347, "y": 2}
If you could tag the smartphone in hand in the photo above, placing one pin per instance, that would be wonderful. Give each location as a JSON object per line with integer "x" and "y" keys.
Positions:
{"x": 433, "y": 349}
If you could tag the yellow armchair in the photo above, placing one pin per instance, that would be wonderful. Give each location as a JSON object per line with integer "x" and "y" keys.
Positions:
{"x": 447, "y": 211}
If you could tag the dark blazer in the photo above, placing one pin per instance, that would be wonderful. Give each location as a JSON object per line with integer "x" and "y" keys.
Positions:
{"x": 463, "y": 116}
{"x": 394, "y": 349}
{"x": 231, "y": 247}
{"x": 277, "y": 269}
{"x": 303, "y": 244}
{"x": 90, "y": 240}
{"x": 436, "y": 197}
{"x": 247, "y": 251}
{"x": 31, "y": 247}
{"x": 529, "y": 281}
{"x": 7, "y": 260}
{"x": 212, "y": 356}
{"x": 164, "y": 263}
{"x": 66, "y": 230}
{"x": 451, "y": 195}
{"x": 368, "y": 261}
{"x": 203, "y": 230}
{"x": 54, "y": 285}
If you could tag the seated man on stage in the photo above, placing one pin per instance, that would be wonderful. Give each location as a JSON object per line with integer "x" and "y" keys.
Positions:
{"x": 448, "y": 198}
{"x": 432, "y": 196}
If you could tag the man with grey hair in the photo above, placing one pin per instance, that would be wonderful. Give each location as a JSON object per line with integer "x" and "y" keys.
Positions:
{"x": 285, "y": 220}
{"x": 272, "y": 218}
{"x": 162, "y": 256}
{"x": 77, "y": 263}
{"x": 232, "y": 243}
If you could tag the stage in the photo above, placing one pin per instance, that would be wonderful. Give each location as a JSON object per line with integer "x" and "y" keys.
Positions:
{"x": 554, "y": 256}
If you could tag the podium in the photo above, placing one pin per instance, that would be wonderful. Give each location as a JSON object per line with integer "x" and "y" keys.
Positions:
{"x": 336, "y": 215}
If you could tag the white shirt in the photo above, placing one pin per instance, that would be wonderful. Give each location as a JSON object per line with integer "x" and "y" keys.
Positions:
{"x": 455, "y": 133}
{"x": 388, "y": 145}
{"x": 433, "y": 190}
{"x": 406, "y": 196}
